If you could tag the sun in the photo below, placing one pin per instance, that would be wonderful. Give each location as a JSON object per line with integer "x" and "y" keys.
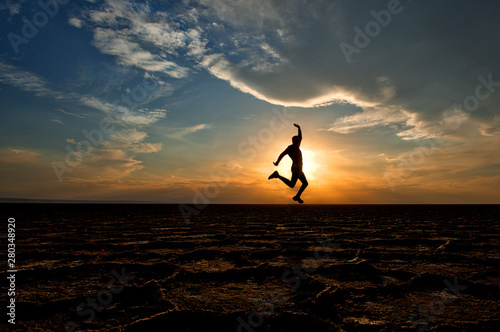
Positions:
{"x": 309, "y": 163}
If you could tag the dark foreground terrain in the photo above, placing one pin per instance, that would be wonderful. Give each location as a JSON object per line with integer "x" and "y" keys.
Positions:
{"x": 256, "y": 268}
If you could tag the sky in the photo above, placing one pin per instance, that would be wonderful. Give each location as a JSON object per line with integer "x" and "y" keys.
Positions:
{"x": 191, "y": 101}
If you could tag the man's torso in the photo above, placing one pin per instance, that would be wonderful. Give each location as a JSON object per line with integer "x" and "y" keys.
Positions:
{"x": 296, "y": 155}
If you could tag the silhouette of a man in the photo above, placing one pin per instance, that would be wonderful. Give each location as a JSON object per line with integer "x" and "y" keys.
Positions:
{"x": 294, "y": 152}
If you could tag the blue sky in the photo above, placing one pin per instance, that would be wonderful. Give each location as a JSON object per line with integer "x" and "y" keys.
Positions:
{"x": 408, "y": 114}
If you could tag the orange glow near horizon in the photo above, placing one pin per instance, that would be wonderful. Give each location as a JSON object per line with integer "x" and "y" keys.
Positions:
{"x": 319, "y": 166}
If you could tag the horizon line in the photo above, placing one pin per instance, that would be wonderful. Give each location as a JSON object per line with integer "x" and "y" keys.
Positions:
{"x": 69, "y": 201}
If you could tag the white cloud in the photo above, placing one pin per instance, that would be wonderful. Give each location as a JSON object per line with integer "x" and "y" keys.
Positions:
{"x": 369, "y": 118}
{"x": 143, "y": 116}
{"x": 132, "y": 54}
{"x": 109, "y": 164}
{"x": 19, "y": 153}
{"x": 248, "y": 13}
{"x": 14, "y": 8}
{"x": 24, "y": 80}
{"x": 140, "y": 38}
{"x": 107, "y": 108}
{"x": 492, "y": 128}
{"x": 125, "y": 115}
{"x": 181, "y": 132}
{"x": 76, "y": 22}
{"x": 132, "y": 141}
{"x": 71, "y": 114}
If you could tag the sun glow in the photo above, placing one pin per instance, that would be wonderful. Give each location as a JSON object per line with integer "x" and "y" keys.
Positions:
{"x": 309, "y": 164}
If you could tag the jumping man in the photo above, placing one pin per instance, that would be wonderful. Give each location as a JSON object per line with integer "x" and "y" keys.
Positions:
{"x": 294, "y": 152}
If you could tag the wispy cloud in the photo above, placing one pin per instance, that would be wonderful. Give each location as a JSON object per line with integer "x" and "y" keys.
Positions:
{"x": 13, "y": 7}
{"x": 492, "y": 128}
{"x": 24, "y": 80}
{"x": 131, "y": 140}
{"x": 120, "y": 148}
{"x": 179, "y": 133}
{"x": 141, "y": 38}
{"x": 124, "y": 114}
{"x": 30, "y": 82}
{"x": 370, "y": 117}
{"x": 144, "y": 116}
{"x": 80, "y": 116}
{"x": 132, "y": 54}
{"x": 76, "y": 22}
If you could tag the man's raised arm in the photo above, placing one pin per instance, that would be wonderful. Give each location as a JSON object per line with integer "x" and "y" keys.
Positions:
{"x": 300, "y": 131}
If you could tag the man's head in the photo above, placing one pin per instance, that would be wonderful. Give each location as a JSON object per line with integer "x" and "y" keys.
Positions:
{"x": 296, "y": 140}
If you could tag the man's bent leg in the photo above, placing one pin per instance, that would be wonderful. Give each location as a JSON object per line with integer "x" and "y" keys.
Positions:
{"x": 302, "y": 179}
{"x": 286, "y": 181}
{"x": 291, "y": 183}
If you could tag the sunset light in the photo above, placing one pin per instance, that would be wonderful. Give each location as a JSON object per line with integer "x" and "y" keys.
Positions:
{"x": 145, "y": 101}
{"x": 310, "y": 166}
{"x": 250, "y": 165}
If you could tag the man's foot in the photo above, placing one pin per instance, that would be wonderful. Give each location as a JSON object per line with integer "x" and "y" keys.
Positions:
{"x": 297, "y": 198}
{"x": 274, "y": 175}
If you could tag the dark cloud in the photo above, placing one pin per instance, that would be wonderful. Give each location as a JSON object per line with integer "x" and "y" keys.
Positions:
{"x": 425, "y": 60}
